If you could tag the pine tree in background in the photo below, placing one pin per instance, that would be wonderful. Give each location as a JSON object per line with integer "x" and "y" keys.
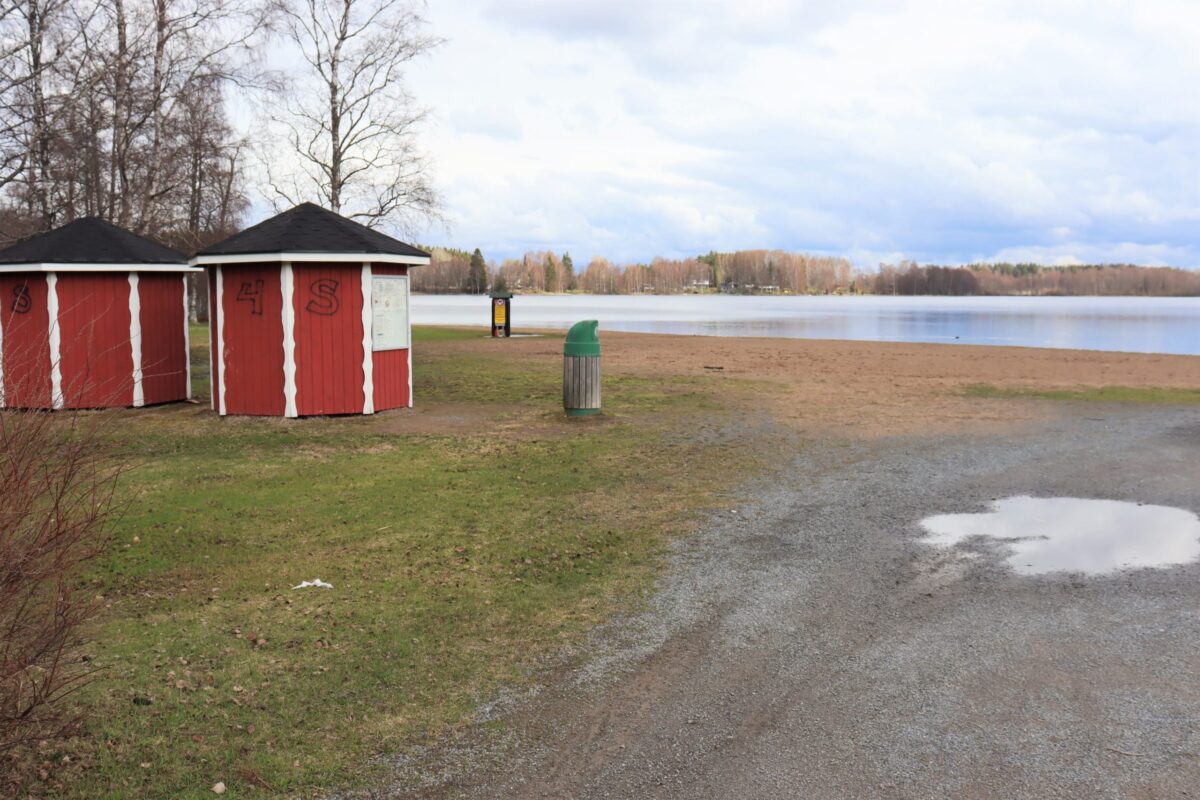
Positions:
{"x": 551, "y": 273}
{"x": 569, "y": 272}
{"x": 477, "y": 277}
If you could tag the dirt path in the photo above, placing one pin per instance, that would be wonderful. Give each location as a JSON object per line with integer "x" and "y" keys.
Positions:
{"x": 807, "y": 645}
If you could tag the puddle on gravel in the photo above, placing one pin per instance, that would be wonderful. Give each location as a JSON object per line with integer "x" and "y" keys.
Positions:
{"x": 1066, "y": 534}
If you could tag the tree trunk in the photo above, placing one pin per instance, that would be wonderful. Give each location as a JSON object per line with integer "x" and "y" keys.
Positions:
{"x": 39, "y": 203}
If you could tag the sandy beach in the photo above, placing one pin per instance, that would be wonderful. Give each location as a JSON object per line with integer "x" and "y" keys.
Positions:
{"x": 858, "y": 389}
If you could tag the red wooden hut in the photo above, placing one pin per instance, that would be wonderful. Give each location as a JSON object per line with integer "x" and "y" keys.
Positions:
{"x": 309, "y": 316}
{"x": 92, "y": 316}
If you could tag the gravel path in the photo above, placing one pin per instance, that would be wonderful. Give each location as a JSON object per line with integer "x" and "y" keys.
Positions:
{"x": 807, "y": 645}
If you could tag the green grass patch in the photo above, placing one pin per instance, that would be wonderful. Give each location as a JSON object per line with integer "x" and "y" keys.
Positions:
{"x": 501, "y": 380}
{"x": 1092, "y": 394}
{"x": 200, "y": 360}
{"x": 436, "y": 333}
{"x": 456, "y": 560}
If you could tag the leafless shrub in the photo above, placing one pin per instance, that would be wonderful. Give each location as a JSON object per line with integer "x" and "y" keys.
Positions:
{"x": 56, "y": 499}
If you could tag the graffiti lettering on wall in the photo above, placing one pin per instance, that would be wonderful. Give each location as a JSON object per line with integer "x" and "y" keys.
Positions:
{"x": 252, "y": 293}
{"x": 325, "y": 300}
{"x": 324, "y": 291}
{"x": 21, "y": 302}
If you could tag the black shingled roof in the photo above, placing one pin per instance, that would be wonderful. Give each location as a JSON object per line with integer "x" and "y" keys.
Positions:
{"x": 308, "y": 228}
{"x": 89, "y": 240}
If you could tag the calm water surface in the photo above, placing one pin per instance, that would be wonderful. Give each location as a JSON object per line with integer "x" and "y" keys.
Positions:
{"x": 1134, "y": 324}
{"x": 1068, "y": 534}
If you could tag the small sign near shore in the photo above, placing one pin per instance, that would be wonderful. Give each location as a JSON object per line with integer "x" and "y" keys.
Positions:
{"x": 501, "y": 318}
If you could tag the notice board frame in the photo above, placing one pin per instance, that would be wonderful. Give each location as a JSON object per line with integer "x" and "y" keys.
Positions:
{"x": 391, "y": 324}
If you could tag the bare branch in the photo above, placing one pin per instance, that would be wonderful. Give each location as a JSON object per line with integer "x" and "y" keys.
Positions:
{"x": 349, "y": 124}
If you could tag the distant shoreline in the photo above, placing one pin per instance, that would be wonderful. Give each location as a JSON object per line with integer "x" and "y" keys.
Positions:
{"x": 519, "y": 293}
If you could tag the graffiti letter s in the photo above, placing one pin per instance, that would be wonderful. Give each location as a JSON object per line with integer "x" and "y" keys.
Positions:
{"x": 325, "y": 300}
{"x": 21, "y": 301}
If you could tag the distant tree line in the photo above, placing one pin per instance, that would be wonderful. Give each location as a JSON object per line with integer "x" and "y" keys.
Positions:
{"x": 744, "y": 271}
{"x": 778, "y": 272}
{"x": 909, "y": 278}
{"x": 747, "y": 271}
{"x": 452, "y": 271}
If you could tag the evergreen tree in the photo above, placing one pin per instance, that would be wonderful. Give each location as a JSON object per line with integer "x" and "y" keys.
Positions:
{"x": 569, "y": 272}
{"x": 499, "y": 286}
{"x": 477, "y": 278}
{"x": 551, "y": 284}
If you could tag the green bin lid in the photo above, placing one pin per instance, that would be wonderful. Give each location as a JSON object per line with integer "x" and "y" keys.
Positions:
{"x": 582, "y": 339}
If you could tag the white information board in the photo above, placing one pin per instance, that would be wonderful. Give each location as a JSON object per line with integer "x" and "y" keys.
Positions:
{"x": 389, "y": 312}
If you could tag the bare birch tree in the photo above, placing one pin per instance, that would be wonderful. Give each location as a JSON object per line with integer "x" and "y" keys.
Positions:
{"x": 348, "y": 116}
{"x": 102, "y": 103}
{"x": 45, "y": 46}
{"x": 159, "y": 52}
{"x": 12, "y": 150}
{"x": 196, "y": 47}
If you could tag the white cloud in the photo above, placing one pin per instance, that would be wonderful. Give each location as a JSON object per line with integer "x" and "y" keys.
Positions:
{"x": 932, "y": 129}
{"x": 1068, "y": 253}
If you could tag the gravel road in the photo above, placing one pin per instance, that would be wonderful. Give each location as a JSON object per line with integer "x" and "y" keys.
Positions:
{"x": 806, "y": 644}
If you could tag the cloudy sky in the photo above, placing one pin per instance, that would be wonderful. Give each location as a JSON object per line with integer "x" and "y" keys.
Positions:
{"x": 939, "y": 130}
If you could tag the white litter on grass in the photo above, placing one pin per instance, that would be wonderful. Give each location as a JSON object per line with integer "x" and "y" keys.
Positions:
{"x": 320, "y": 584}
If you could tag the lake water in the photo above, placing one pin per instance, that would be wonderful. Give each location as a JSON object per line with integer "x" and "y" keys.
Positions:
{"x": 1133, "y": 324}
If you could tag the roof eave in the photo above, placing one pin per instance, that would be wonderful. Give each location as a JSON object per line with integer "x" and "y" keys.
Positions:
{"x": 203, "y": 259}
{"x": 99, "y": 266}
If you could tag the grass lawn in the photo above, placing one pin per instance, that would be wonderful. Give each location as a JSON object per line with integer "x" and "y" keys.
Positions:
{"x": 457, "y": 557}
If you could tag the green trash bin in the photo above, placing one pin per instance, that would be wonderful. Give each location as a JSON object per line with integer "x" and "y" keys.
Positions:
{"x": 581, "y": 370}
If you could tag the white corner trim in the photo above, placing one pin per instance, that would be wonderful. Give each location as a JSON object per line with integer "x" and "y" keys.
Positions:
{"x": 287, "y": 283}
{"x": 219, "y": 393}
{"x": 47, "y": 266}
{"x": 55, "y": 335}
{"x": 368, "y": 318}
{"x": 408, "y": 317}
{"x": 187, "y": 341}
{"x": 135, "y": 339}
{"x": 2, "y": 403}
{"x": 325, "y": 258}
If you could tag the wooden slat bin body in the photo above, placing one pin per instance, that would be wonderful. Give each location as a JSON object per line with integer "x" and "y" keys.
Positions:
{"x": 581, "y": 369}
{"x": 581, "y": 385}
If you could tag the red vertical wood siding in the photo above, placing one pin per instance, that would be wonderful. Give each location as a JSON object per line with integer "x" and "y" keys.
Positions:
{"x": 96, "y": 355}
{"x": 328, "y": 334}
{"x": 253, "y": 326}
{"x": 214, "y": 314}
{"x": 390, "y": 366}
{"x": 25, "y": 320}
{"x": 164, "y": 347}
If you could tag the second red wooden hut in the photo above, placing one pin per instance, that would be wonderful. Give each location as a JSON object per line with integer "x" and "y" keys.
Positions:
{"x": 309, "y": 316}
